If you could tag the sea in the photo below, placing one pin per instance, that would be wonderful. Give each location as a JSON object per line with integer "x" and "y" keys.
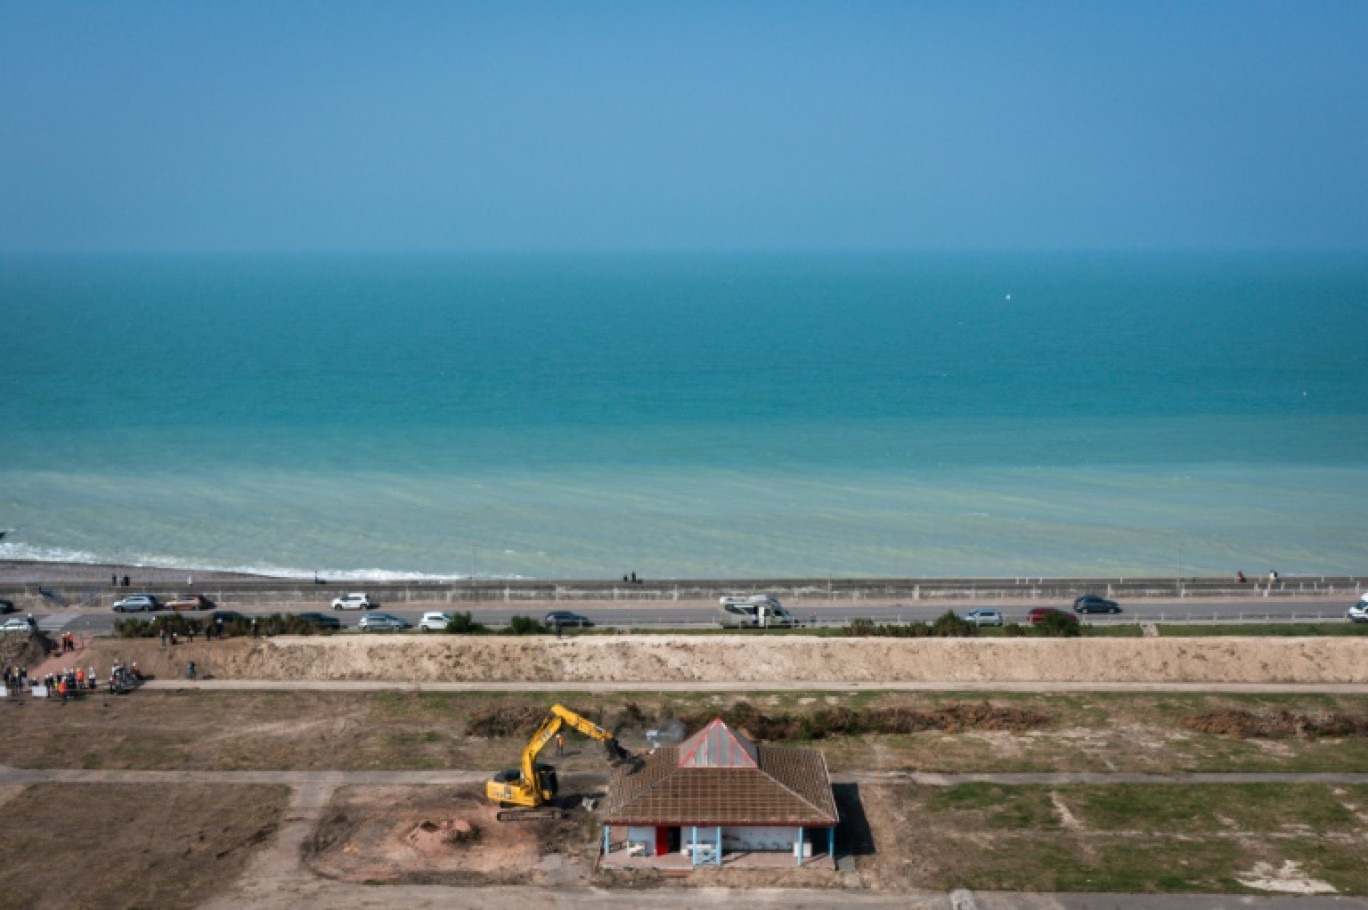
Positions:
{"x": 688, "y": 415}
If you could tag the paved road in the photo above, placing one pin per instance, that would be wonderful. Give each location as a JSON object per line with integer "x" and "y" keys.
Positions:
{"x": 1253, "y": 609}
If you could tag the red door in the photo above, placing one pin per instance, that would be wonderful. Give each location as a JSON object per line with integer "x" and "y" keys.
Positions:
{"x": 662, "y": 840}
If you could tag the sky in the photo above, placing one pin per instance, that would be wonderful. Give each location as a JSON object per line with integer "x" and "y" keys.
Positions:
{"x": 643, "y": 126}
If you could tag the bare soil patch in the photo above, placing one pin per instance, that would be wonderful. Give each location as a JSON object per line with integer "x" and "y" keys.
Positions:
{"x": 118, "y": 845}
{"x": 443, "y": 835}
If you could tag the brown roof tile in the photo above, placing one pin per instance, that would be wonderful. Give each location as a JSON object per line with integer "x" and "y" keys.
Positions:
{"x": 790, "y": 787}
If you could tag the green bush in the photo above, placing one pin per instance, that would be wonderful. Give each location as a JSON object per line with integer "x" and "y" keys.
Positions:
{"x": 526, "y": 625}
{"x": 463, "y": 624}
{"x": 952, "y": 625}
{"x": 1059, "y": 625}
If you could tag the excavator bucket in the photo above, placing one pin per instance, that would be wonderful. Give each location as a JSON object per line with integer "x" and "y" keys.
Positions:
{"x": 617, "y": 754}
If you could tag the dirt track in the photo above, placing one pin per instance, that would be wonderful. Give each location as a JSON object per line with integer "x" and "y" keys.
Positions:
{"x": 749, "y": 659}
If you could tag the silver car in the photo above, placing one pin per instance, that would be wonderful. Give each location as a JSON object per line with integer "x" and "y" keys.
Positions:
{"x": 382, "y": 622}
{"x": 984, "y": 617}
{"x": 136, "y": 603}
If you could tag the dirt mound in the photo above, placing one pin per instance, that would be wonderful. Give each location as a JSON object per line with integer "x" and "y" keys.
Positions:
{"x": 434, "y": 838}
{"x": 750, "y": 659}
{"x": 1276, "y": 724}
{"x": 505, "y": 720}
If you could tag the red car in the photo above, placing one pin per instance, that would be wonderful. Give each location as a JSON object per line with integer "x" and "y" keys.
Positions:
{"x": 1038, "y": 614}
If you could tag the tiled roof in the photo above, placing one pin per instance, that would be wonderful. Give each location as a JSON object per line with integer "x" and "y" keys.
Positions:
{"x": 788, "y": 786}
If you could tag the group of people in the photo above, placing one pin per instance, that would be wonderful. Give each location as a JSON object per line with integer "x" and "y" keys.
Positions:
{"x": 1272, "y": 577}
{"x": 69, "y": 682}
{"x": 68, "y": 643}
{"x": 212, "y": 630}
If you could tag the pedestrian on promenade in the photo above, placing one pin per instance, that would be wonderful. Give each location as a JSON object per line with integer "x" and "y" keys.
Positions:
{"x": 190, "y": 671}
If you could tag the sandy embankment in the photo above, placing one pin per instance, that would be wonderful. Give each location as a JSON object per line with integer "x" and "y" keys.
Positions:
{"x": 747, "y": 659}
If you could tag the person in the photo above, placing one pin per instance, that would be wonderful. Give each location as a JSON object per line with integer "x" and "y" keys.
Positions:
{"x": 557, "y": 624}
{"x": 255, "y": 633}
{"x": 560, "y": 743}
{"x": 634, "y": 578}
{"x": 163, "y": 636}
{"x": 1272, "y": 577}
{"x": 1239, "y": 577}
{"x": 190, "y": 670}
{"x": 218, "y": 625}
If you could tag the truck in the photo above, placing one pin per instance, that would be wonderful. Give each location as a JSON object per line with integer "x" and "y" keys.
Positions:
{"x": 759, "y": 611}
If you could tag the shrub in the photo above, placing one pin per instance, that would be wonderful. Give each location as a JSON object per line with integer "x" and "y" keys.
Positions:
{"x": 462, "y": 624}
{"x": 1059, "y": 625}
{"x": 952, "y": 625}
{"x": 526, "y": 625}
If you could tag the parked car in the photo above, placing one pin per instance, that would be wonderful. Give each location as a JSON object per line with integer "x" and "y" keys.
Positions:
{"x": 382, "y": 622}
{"x": 1038, "y": 614}
{"x": 567, "y": 620}
{"x": 357, "y": 601}
{"x": 19, "y": 624}
{"x": 434, "y": 622}
{"x": 6, "y": 606}
{"x": 190, "y": 602}
{"x": 136, "y": 603}
{"x": 1092, "y": 603}
{"x": 322, "y": 620}
{"x": 1359, "y": 611}
{"x": 984, "y": 616}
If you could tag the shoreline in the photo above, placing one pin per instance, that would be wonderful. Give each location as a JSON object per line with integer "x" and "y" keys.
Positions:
{"x": 25, "y": 572}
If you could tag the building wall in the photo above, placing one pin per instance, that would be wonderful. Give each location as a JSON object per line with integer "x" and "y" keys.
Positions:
{"x": 756, "y": 838}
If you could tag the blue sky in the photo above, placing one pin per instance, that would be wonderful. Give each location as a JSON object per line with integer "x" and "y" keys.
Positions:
{"x": 668, "y": 126}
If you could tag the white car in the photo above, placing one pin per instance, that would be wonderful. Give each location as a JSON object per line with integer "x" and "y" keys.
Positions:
{"x": 1359, "y": 611}
{"x": 434, "y": 622}
{"x": 357, "y": 601}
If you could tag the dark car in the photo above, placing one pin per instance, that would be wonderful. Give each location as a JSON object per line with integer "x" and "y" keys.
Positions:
{"x": 6, "y": 606}
{"x": 190, "y": 602}
{"x": 567, "y": 620}
{"x": 1092, "y": 603}
{"x": 322, "y": 620}
{"x": 1038, "y": 614}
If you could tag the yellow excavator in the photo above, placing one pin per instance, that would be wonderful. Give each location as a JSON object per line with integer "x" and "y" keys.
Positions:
{"x": 531, "y": 787}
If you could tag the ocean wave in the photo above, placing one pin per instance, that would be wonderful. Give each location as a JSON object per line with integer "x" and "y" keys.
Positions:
{"x": 29, "y": 553}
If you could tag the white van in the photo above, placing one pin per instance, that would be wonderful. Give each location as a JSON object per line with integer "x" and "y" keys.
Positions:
{"x": 759, "y": 611}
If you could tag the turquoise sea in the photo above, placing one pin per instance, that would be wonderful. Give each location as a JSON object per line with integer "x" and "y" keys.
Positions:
{"x": 688, "y": 416}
